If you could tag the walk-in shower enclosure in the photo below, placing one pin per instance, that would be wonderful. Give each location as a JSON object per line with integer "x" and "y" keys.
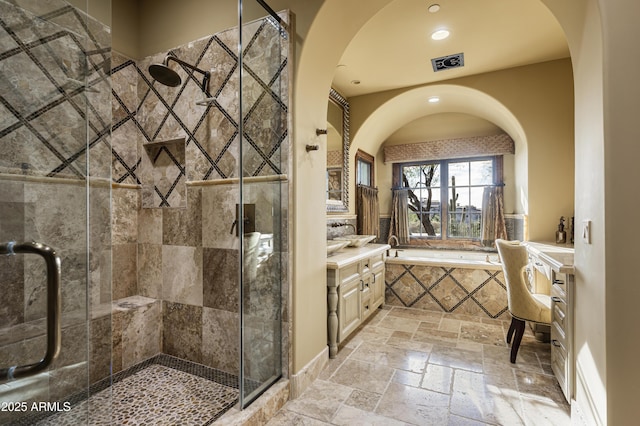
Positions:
{"x": 165, "y": 209}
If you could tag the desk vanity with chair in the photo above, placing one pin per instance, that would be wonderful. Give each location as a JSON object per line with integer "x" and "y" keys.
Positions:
{"x": 542, "y": 304}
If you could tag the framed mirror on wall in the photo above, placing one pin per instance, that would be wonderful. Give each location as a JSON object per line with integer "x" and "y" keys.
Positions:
{"x": 337, "y": 176}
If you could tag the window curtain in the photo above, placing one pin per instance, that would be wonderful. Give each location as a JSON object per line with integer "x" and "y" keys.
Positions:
{"x": 400, "y": 215}
{"x": 493, "y": 224}
{"x": 368, "y": 221}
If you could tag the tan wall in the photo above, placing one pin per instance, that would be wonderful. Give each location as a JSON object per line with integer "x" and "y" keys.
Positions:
{"x": 125, "y": 36}
{"x": 540, "y": 97}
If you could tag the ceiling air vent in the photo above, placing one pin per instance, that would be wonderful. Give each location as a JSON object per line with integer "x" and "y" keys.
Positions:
{"x": 448, "y": 62}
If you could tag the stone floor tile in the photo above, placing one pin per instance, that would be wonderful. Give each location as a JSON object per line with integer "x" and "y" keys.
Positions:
{"x": 391, "y": 357}
{"x": 363, "y": 400}
{"x": 486, "y": 398}
{"x": 456, "y": 358}
{"x": 351, "y": 416}
{"x": 413, "y": 405}
{"x": 363, "y": 375}
{"x": 437, "y": 378}
{"x": 320, "y": 401}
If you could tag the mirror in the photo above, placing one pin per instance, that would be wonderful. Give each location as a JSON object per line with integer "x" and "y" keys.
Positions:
{"x": 337, "y": 179}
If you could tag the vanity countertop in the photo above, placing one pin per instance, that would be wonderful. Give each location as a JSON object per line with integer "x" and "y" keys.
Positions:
{"x": 558, "y": 256}
{"x": 350, "y": 255}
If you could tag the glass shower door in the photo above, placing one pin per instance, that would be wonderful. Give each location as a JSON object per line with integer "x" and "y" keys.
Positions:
{"x": 55, "y": 162}
{"x": 263, "y": 195}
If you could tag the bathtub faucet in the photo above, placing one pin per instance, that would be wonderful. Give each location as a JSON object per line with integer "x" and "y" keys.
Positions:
{"x": 393, "y": 237}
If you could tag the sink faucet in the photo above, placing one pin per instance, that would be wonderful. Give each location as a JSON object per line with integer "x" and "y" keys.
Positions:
{"x": 393, "y": 237}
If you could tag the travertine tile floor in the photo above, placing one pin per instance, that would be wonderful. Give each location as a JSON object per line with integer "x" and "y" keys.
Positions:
{"x": 407, "y": 366}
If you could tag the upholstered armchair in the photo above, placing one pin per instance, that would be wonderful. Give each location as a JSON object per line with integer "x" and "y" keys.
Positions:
{"x": 523, "y": 305}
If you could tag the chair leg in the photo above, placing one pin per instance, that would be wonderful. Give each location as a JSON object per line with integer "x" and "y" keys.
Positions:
{"x": 519, "y": 331}
{"x": 512, "y": 328}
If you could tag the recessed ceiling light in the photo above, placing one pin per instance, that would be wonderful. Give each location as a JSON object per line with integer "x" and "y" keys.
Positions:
{"x": 434, "y": 8}
{"x": 434, "y": 100}
{"x": 355, "y": 81}
{"x": 440, "y": 34}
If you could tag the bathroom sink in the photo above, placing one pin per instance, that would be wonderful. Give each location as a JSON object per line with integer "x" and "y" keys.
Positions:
{"x": 356, "y": 240}
{"x": 333, "y": 246}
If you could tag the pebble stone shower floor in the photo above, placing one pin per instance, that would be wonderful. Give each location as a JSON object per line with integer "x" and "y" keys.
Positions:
{"x": 160, "y": 391}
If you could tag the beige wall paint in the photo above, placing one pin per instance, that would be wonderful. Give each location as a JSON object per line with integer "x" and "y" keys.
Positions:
{"x": 621, "y": 171}
{"x": 540, "y": 98}
{"x": 125, "y": 36}
{"x": 447, "y": 125}
{"x": 581, "y": 23}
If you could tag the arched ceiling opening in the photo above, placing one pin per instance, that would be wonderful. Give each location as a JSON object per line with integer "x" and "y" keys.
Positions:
{"x": 412, "y": 104}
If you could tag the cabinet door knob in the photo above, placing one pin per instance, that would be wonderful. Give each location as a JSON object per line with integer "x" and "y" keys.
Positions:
{"x": 555, "y": 343}
{"x": 557, "y": 299}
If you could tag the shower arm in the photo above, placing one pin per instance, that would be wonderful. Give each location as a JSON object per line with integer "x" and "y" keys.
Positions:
{"x": 207, "y": 75}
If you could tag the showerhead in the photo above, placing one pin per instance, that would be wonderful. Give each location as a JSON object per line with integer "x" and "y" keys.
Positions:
{"x": 165, "y": 75}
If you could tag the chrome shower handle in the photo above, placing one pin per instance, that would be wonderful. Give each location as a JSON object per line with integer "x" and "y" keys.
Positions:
{"x": 53, "y": 263}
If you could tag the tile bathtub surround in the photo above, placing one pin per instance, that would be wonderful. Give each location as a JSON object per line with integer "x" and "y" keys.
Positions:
{"x": 475, "y": 292}
{"x": 385, "y": 375}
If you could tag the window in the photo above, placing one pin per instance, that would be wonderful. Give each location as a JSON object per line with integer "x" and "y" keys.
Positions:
{"x": 364, "y": 168}
{"x": 445, "y": 196}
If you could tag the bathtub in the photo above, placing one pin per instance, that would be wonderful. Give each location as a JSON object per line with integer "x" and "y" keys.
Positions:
{"x": 460, "y": 282}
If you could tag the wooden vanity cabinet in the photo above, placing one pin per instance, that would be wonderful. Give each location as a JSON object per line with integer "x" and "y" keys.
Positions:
{"x": 555, "y": 262}
{"x": 355, "y": 289}
{"x": 562, "y": 356}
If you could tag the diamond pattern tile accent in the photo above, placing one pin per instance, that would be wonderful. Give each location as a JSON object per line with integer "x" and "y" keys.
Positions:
{"x": 53, "y": 73}
{"x": 158, "y": 113}
{"x": 461, "y": 290}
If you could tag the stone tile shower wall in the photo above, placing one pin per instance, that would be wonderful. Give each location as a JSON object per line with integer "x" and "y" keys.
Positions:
{"x": 55, "y": 121}
{"x": 174, "y": 206}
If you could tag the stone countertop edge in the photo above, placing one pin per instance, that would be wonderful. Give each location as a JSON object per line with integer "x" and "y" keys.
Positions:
{"x": 349, "y": 255}
{"x": 558, "y": 256}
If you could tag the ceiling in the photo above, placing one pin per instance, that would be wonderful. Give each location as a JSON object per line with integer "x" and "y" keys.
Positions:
{"x": 394, "y": 49}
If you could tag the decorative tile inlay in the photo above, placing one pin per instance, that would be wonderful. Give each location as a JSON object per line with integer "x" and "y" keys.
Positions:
{"x": 460, "y": 290}
{"x": 53, "y": 87}
{"x": 145, "y": 111}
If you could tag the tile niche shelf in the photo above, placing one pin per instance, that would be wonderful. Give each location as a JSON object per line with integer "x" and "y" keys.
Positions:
{"x": 165, "y": 185}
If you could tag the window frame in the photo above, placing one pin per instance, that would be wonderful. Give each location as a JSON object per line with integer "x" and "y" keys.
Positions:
{"x": 362, "y": 156}
{"x": 443, "y": 164}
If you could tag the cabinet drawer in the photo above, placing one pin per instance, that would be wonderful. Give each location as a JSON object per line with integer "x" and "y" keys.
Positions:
{"x": 558, "y": 315}
{"x": 376, "y": 262}
{"x": 349, "y": 273}
{"x": 366, "y": 305}
{"x": 558, "y": 340}
{"x": 559, "y": 291}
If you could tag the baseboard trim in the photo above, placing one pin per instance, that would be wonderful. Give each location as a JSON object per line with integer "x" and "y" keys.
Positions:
{"x": 583, "y": 409}
{"x": 309, "y": 373}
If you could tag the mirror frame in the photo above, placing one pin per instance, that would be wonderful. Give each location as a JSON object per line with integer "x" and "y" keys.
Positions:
{"x": 343, "y": 205}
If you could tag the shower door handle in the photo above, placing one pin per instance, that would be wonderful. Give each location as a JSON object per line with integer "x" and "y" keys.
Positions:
{"x": 53, "y": 263}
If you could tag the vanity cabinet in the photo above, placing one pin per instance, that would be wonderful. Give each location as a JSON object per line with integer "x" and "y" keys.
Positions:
{"x": 355, "y": 288}
{"x": 562, "y": 322}
{"x": 556, "y": 263}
